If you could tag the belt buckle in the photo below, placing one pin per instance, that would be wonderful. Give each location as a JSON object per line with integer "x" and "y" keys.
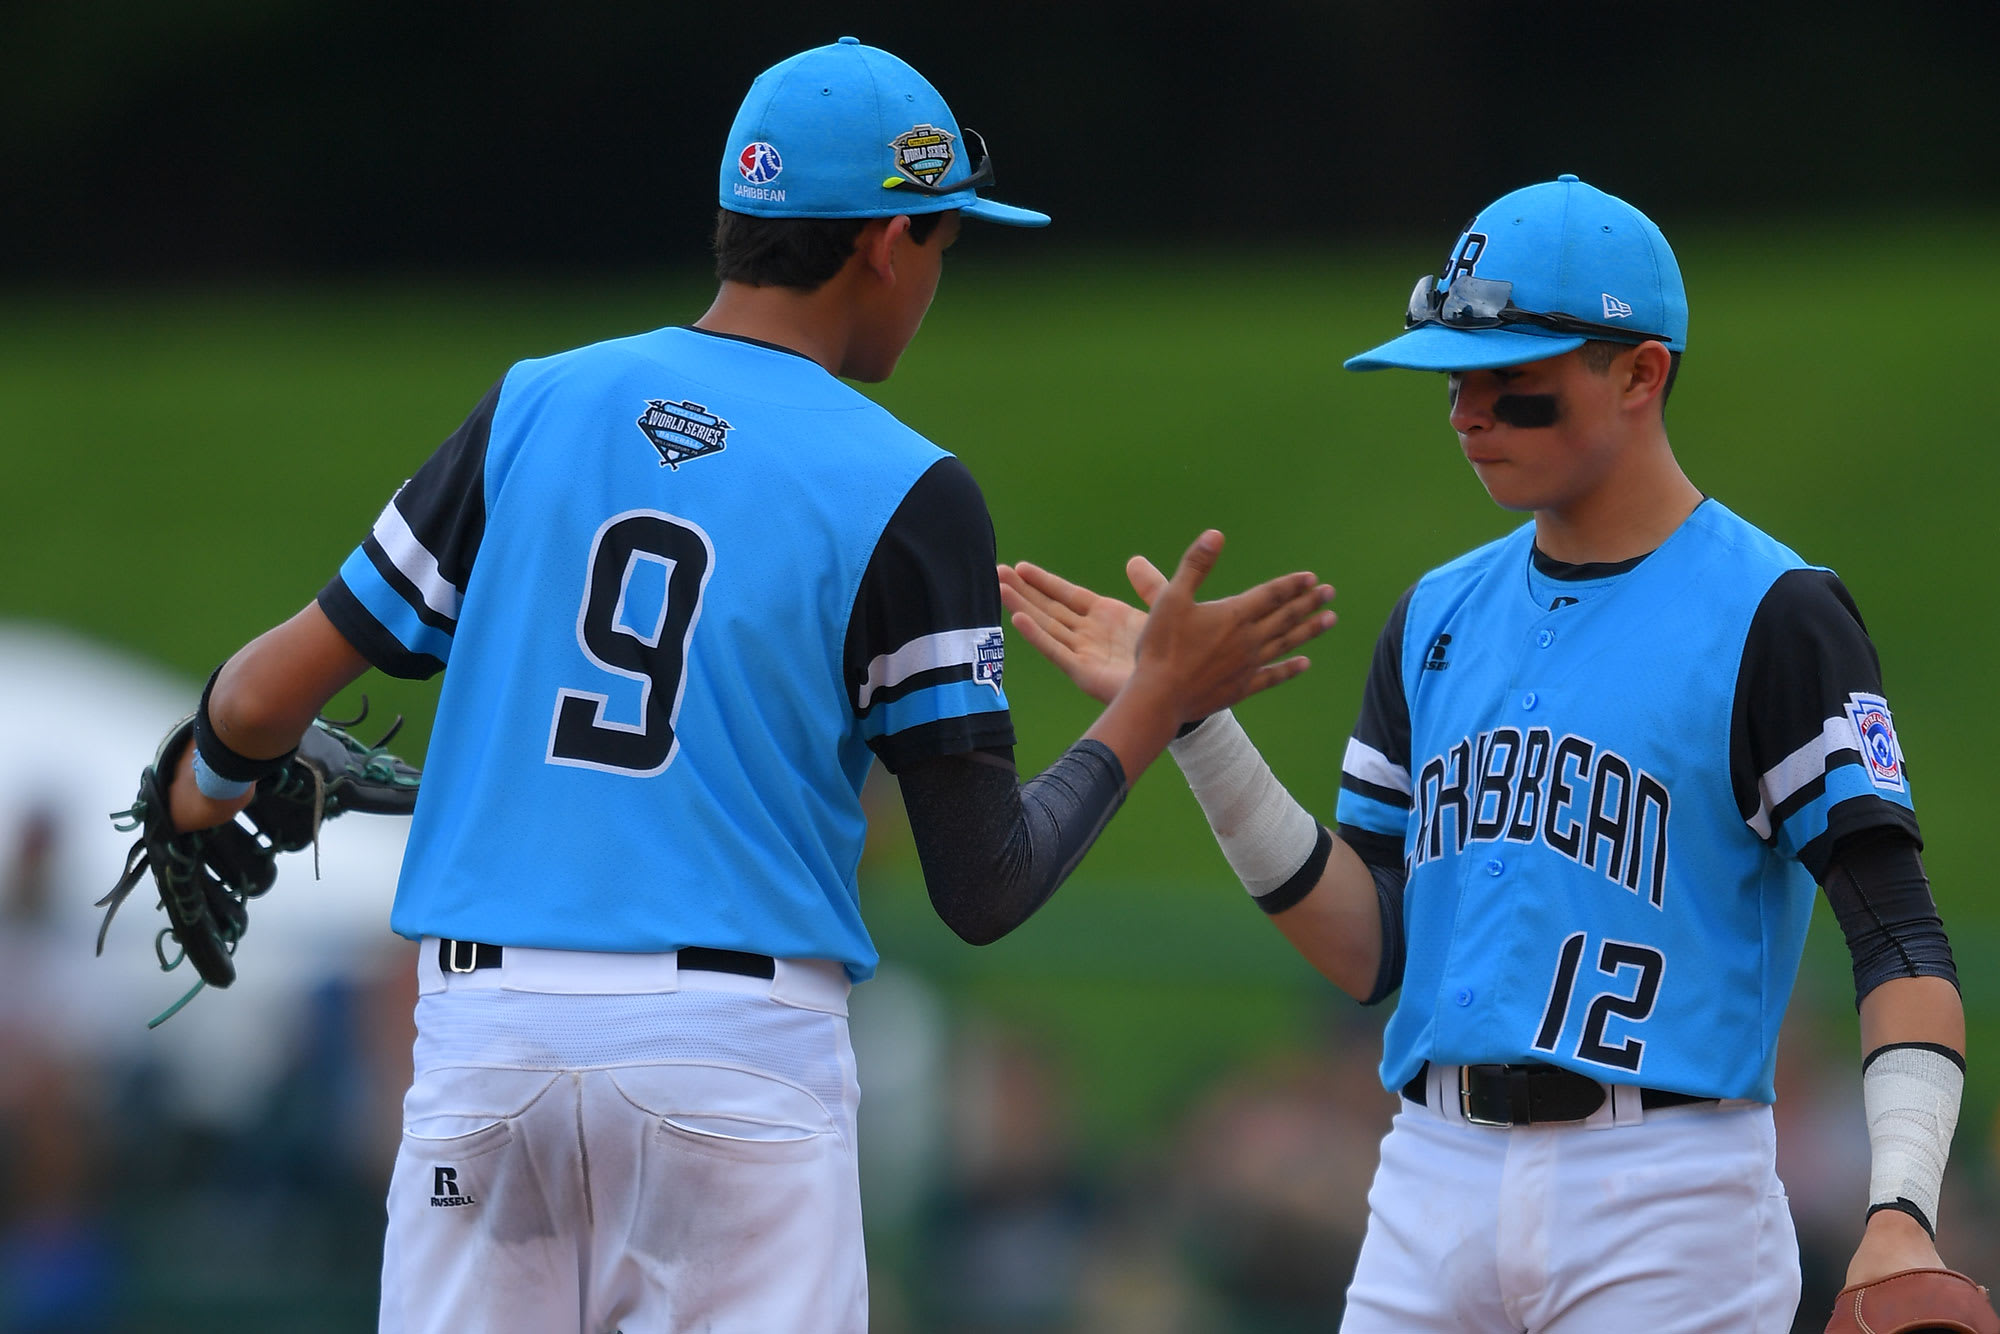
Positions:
{"x": 1465, "y": 1103}
{"x": 471, "y": 956}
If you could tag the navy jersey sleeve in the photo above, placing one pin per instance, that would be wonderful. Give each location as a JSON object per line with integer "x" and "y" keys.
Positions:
{"x": 1813, "y": 749}
{"x": 1374, "y": 807}
{"x": 397, "y": 596}
{"x": 924, "y": 651}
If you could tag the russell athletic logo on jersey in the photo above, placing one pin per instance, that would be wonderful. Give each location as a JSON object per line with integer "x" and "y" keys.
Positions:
{"x": 682, "y": 431}
{"x": 923, "y": 153}
{"x": 1584, "y": 801}
{"x": 1875, "y": 734}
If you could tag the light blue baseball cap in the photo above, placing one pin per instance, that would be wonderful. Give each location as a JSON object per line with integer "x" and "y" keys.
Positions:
{"x": 1537, "y": 273}
{"x": 850, "y": 131}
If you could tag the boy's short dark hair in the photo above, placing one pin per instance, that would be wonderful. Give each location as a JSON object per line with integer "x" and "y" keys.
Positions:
{"x": 1598, "y": 352}
{"x": 801, "y": 253}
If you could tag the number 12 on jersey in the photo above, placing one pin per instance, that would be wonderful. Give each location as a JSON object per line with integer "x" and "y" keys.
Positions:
{"x": 1621, "y": 995}
{"x": 642, "y": 594}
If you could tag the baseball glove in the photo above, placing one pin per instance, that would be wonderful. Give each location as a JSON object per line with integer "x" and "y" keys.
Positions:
{"x": 1914, "y": 1300}
{"x": 206, "y": 877}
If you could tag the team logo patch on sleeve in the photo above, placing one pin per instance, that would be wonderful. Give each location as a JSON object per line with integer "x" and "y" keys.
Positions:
{"x": 1875, "y": 737}
{"x": 682, "y": 431}
{"x": 990, "y": 660}
{"x": 923, "y": 153}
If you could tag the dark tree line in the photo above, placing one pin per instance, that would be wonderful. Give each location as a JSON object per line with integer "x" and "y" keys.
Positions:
{"x": 301, "y": 137}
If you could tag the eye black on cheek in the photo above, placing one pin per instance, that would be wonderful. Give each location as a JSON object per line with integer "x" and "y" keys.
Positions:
{"x": 1527, "y": 412}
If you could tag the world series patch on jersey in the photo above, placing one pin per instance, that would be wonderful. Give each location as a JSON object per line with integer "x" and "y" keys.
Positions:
{"x": 1568, "y": 899}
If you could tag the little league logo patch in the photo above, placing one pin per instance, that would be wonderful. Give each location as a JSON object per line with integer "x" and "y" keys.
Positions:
{"x": 759, "y": 163}
{"x": 682, "y": 431}
{"x": 923, "y": 153}
{"x": 1875, "y": 735}
{"x": 989, "y": 660}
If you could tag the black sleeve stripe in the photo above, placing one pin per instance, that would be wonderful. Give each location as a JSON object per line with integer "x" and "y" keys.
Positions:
{"x": 405, "y": 589}
{"x": 1804, "y": 796}
{"x": 945, "y": 736}
{"x": 1303, "y": 881}
{"x": 910, "y": 685}
{"x": 370, "y": 639}
{"x": 1361, "y": 787}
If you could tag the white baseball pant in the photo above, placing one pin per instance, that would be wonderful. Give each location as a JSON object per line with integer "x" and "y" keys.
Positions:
{"x": 1671, "y": 1221}
{"x": 605, "y": 1143}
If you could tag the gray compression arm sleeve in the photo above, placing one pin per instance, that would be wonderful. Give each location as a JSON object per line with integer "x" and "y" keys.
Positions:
{"x": 994, "y": 849}
{"x": 1882, "y": 899}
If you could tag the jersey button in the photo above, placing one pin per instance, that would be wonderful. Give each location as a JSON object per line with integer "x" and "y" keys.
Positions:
{"x": 1545, "y": 638}
{"x": 1464, "y": 996}
{"x": 1495, "y": 867}
{"x": 1529, "y": 700}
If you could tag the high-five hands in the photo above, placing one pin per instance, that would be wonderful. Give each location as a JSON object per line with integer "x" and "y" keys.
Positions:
{"x": 1097, "y": 641}
{"x": 1179, "y": 662}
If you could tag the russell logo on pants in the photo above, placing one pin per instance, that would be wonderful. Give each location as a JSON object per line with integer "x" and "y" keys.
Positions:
{"x": 444, "y": 1189}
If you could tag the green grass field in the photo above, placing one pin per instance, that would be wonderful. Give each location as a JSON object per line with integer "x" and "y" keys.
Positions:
{"x": 185, "y": 468}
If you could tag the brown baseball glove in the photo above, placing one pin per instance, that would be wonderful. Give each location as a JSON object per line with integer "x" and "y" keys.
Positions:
{"x": 1914, "y": 1301}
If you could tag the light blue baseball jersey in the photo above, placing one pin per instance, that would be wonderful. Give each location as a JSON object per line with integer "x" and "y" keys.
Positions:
{"x": 684, "y": 588}
{"x": 1612, "y": 792}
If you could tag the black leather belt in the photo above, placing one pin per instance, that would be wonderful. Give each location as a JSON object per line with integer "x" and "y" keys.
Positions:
{"x": 469, "y": 956}
{"x": 1525, "y": 1095}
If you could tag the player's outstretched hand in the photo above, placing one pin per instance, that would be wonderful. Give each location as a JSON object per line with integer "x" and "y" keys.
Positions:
{"x": 1206, "y": 656}
{"x": 1090, "y": 637}
{"x": 1094, "y": 639}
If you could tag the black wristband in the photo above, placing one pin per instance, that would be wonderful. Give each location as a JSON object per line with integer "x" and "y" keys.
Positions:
{"x": 1903, "y": 1206}
{"x": 1956, "y": 1058}
{"x": 220, "y": 759}
{"x": 1303, "y": 881}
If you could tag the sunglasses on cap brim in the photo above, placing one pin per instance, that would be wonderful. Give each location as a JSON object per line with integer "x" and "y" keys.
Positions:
{"x": 982, "y": 171}
{"x": 1488, "y": 303}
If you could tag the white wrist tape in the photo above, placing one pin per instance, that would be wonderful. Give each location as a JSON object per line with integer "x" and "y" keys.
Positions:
{"x": 1264, "y": 832}
{"x": 1911, "y": 1095}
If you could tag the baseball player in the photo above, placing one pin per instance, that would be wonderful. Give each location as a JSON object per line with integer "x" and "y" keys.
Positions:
{"x": 1599, "y": 766}
{"x": 685, "y": 588}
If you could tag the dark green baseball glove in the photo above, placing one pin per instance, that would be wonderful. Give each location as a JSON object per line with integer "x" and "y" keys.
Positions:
{"x": 205, "y": 878}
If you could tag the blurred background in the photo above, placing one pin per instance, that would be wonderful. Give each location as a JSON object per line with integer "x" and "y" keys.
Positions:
{"x": 257, "y": 259}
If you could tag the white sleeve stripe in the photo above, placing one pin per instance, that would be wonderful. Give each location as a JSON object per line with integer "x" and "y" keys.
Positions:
{"x": 946, "y": 648}
{"x": 1372, "y": 766}
{"x": 415, "y": 563}
{"x": 1799, "y": 768}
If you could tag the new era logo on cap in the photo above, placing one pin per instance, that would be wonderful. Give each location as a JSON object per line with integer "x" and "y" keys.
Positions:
{"x": 1614, "y": 309}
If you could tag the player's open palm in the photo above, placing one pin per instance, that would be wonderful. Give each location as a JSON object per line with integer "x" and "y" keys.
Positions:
{"x": 1208, "y": 655}
{"x": 1090, "y": 637}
